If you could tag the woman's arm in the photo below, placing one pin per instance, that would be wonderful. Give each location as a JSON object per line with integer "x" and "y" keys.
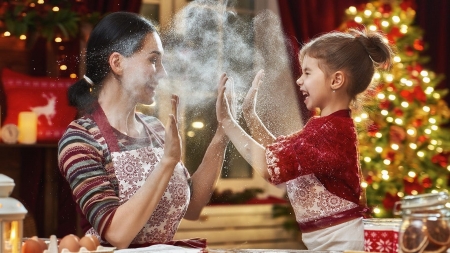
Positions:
{"x": 251, "y": 151}
{"x": 258, "y": 130}
{"x": 207, "y": 174}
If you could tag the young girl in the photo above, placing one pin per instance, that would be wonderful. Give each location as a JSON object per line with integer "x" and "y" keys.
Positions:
{"x": 319, "y": 163}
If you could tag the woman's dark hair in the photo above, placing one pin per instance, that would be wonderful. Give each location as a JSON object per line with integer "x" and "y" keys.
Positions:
{"x": 122, "y": 32}
{"x": 358, "y": 52}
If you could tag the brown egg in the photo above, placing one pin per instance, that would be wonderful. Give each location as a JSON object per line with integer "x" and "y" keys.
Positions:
{"x": 88, "y": 243}
{"x": 96, "y": 241}
{"x": 31, "y": 246}
{"x": 70, "y": 242}
{"x": 41, "y": 242}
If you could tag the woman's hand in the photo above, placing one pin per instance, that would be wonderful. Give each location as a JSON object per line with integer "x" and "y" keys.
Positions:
{"x": 249, "y": 103}
{"x": 172, "y": 146}
{"x": 222, "y": 107}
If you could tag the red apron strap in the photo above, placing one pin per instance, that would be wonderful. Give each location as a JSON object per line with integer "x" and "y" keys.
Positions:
{"x": 105, "y": 129}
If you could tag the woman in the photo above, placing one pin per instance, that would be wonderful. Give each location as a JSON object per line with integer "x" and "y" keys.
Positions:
{"x": 124, "y": 167}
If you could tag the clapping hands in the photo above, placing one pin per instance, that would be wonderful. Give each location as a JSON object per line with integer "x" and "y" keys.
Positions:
{"x": 172, "y": 147}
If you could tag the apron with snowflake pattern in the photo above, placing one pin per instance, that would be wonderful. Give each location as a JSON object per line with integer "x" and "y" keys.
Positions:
{"x": 131, "y": 168}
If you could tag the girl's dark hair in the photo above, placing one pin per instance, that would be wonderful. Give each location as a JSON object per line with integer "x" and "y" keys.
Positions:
{"x": 358, "y": 52}
{"x": 122, "y": 32}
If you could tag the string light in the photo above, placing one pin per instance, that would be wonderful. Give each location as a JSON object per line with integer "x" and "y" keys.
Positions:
{"x": 395, "y": 19}
{"x": 429, "y": 90}
{"x": 404, "y": 29}
{"x": 411, "y": 131}
{"x": 389, "y": 77}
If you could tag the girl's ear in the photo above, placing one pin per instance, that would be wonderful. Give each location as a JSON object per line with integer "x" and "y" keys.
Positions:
{"x": 115, "y": 62}
{"x": 338, "y": 80}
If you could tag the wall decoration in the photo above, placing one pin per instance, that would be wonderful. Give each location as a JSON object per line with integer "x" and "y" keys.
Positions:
{"x": 45, "y": 96}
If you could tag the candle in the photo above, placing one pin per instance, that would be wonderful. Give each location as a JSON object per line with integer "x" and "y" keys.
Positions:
{"x": 14, "y": 237}
{"x": 27, "y": 127}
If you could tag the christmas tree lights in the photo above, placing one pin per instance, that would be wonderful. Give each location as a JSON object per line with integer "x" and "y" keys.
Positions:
{"x": 404, "y": 148}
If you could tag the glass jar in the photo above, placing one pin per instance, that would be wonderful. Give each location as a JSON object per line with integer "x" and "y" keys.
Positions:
{"x": 425, "y": 225}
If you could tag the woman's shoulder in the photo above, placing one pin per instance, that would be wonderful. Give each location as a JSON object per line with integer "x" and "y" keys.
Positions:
{"x": 83, "y": 130}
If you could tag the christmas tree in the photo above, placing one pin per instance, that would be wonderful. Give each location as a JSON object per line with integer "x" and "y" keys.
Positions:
{"x": 404, "y": 144}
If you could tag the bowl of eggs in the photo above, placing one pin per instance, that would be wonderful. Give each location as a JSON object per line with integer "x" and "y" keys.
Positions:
{"x": 68, "y": 244}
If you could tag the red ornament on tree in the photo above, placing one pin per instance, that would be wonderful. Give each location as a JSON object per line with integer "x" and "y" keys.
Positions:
{"x": 389, "y": 200}
{"x": 440, "y": 159}
{"x": 406, "y": 4}
{"x": 427, "y": 182}
{"x": 417, "y": 122}
{"x": 385, "y": 8}
{"x": 412, "y": 185}
{"x": 418, "y": 45}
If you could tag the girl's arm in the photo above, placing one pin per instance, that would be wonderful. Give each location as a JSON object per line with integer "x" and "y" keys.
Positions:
{"x": 207, "y": 174}
{"x": 252, "y": 151}
{"x": 254, "y": 123}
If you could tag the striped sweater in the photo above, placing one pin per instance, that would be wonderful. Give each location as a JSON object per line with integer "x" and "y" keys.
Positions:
{"x": 84, "y": 158}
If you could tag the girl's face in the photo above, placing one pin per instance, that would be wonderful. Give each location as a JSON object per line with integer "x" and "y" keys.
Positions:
{"x": 143, "y": 70}
{"x": 314, "y": 84}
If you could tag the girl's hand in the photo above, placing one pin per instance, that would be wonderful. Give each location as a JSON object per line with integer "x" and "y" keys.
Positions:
{"x": 249, "y": 103}
{"x": 172, "y": 139}
{"x": 222, "y": 107}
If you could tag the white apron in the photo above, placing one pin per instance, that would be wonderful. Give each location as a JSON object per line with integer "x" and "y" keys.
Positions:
{"x": 131, "y": 168}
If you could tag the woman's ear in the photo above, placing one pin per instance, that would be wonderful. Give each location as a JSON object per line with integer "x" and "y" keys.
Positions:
{"x": 338, "y": 80}
{"x": 115, "y": 62}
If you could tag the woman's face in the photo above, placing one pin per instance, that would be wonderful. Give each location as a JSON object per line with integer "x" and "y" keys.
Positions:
{"x": 143, "y": 70}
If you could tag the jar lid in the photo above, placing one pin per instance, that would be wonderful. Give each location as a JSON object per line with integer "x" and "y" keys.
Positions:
{"x": 425, "y": 200}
